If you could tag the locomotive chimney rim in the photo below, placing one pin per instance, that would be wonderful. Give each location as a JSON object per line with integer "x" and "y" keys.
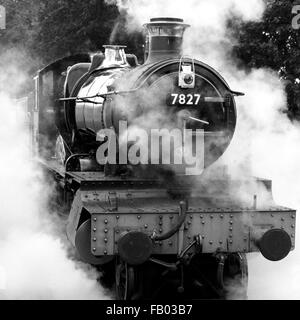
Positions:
{"x": 165, "y": 38}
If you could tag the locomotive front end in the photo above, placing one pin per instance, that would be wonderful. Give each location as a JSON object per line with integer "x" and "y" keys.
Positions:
{"x": 138, "y": 209}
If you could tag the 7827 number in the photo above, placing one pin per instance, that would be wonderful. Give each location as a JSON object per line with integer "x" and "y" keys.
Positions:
{"x": 185, "y": 99}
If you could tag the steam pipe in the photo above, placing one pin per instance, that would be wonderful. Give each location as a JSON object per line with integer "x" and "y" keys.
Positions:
{"x": 170, "y": 233}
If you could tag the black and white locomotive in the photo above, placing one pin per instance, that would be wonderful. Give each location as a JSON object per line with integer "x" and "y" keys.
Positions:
{"x": 151, "y": 228}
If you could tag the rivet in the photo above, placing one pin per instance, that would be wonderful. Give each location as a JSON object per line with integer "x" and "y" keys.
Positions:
{"x": 105, "y": 240}
{"x": 210, "y": 242}
{"x": 95, "y": 219}
{"x": 146, "y": 226}
{"x": 203, "y": 237}
{"x": 105, "y": 230}
{"x": 94, "y": 239}
{"x": 222, "y": 216}
{"x": 293, "y": 216}
{"x": 189, "y": 237}
{"x": 231, "y": 216}
{"x": 282, "y": 219}
{"x": 292, "y": 226}
{"x": 231, "y": 222}
{"x": 160, "y": 217}
{"x": 191, "y": 216}
{"x": 117, "y": 217}
{"x": 272, "y": 214}
{"x": 94, "y": 249}
{"x": 230, "y": 236}
{"x": 105, "y": 252}
{"x": 189, "y": 222}
{"x": 211, "y": 216}
{"x": 203, "y": 222}
{"x": 230, "y": 229}
{"x": 160, "y": 243}
{"x": 170, "y": 243}
{"x": 117, "y": 231}
{"x": 220, "y": 241}
{"x": 245, "y": 239}
{"x": 201, "y": 216}
{"x": 160, "y": 230}
{"x": 128, "y": 229}
{"x": 230, "y": 241}
{"x": 105, "y": 221}
{"x": 160, "y": 223}
{"x": 139, "y": 217}
{"x": 171, "y": 217}
{"x": 94, "y": 229}
{"x": 292, "y": 235}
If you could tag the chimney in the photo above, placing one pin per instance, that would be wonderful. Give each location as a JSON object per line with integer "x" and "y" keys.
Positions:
{"x": 164, "y": 39}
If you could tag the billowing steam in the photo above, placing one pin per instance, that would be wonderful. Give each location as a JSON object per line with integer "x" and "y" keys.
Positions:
{"x": 266, "y": 143}
{"x": 35, "y": 262}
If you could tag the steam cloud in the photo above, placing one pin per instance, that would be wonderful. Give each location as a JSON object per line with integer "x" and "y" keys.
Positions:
{"x": 35, "y": 262}
{"x": 266, "y": 142}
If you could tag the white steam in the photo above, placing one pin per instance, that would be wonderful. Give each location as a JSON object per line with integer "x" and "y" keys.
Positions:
{"x": 34, "y": 260}
{"x": 266, "y": 143}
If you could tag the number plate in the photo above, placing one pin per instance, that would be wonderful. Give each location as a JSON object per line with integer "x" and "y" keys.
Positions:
{"x": 182, "y": 99}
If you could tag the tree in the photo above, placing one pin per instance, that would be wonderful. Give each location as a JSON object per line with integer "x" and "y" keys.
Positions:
{"x": 272, "y": 43}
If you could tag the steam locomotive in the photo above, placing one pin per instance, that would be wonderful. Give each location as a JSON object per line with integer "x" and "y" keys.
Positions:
{"x": 151, "y": 227}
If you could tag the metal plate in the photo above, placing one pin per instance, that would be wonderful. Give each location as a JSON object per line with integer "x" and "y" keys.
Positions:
{"x": 220, "y": 230}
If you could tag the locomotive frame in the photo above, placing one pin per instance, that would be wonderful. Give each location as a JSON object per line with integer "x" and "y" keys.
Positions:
{"x": 144, "y": 232}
